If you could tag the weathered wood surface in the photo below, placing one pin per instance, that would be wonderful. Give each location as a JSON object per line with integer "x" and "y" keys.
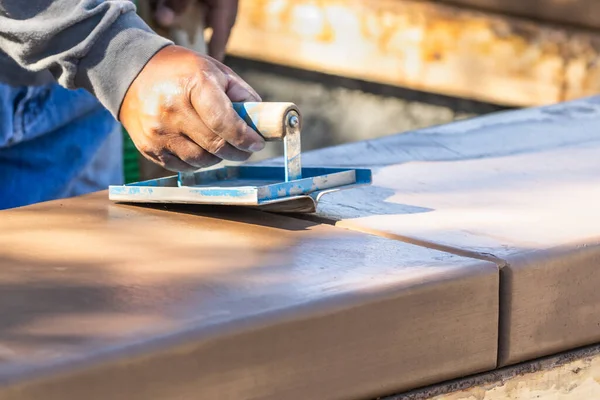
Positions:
{"x": 423, "y": 45}
{"x": 584, "y": 13}
{"x": 573, "y": 375}
{"x": 103, "y": 301}
{"x": 518, "y": 186}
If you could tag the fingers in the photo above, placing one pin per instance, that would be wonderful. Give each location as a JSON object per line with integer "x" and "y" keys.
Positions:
{"x": 205, "y": 146}
{"x": 196, "y": 144}
{"x": 170, "y": 162}
{"x": 190, "y": 153}
{"x": 214, "y": 108}
{"x": 221, "y": 15}
{"x": 180, "y": 141}
{"x": 179, "y": 112}
{"x": 164, "y": 157}
{"x": 236, "y": 88}
{"x": 181, "y": 154}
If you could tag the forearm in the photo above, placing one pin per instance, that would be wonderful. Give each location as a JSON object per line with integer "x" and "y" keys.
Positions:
{"x": 97, "y": 45}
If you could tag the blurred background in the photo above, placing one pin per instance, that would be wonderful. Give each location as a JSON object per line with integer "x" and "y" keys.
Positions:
{"x": 361, "y": 69}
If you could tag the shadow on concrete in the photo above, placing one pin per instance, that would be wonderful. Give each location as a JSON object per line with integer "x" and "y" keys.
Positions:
{"x": 239, "y": 214}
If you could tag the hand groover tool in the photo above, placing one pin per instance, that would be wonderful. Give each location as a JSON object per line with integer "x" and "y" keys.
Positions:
{"x": 290, "y": 188}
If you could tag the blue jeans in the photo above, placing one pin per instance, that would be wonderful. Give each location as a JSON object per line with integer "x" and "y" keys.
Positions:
{"x": 55, "y": 143}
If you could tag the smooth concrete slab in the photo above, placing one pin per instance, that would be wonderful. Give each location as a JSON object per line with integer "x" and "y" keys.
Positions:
{"x": 499, "y": 134}
{"x": 521, "y": 187}
{"x": 104, "y": 301}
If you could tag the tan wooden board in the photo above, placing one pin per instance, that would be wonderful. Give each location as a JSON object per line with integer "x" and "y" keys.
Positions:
{"x": 423, "y": 45}
{"x": 105, "y": 301}
{"x": 521, "y": 187}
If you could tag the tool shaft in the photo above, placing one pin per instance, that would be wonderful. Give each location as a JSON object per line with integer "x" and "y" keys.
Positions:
{"x": 277, "y": 121}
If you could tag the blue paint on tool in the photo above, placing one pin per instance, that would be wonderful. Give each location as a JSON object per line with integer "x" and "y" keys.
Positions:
{"x": 246, "y": 111}
{"x": 246, "y": 185}
{"x": 219, "y": 192}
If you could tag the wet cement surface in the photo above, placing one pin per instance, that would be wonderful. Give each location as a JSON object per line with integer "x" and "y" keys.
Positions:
{"x": 518, "y": 186}
{"x": 110, "y": 301}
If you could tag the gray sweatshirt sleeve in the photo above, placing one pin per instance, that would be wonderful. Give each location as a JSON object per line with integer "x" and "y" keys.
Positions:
{"x": 97, "y": 45}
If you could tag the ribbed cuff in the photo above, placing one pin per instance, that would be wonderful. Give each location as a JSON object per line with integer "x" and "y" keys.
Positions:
{"x": 117, "y": 58}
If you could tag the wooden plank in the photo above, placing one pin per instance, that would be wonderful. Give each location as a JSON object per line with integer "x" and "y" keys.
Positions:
{"x": 422, "y": 45}
{"x": 520, "y": 186}
{"x": 104, "y": 301}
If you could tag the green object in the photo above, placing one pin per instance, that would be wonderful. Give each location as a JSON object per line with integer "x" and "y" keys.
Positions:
{"x": 131, "y": 167}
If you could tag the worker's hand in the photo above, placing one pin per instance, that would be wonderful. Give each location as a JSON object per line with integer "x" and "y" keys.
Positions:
{"x": 220, "y": 17}
{"x": 179, "y": 114}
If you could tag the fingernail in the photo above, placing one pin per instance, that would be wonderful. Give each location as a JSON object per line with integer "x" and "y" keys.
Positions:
{"x": 258, "y": 146}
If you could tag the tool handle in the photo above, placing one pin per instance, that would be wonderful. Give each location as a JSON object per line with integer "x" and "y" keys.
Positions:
{"x": 272, "y": 120}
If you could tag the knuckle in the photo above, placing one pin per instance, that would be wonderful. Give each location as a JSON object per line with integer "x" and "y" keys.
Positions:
{"x": 156, "y": 130}
{"x": 216, "y": 145}
{"x": 239, "y": 138}
{"x": 217, "y": 122}
{"x": 205, "y": 79}
{"x": 170, "y": 101}
{"x": 232, "y": 132}
{"x": 168, "y": 108}
{"x": 195, "y": 157}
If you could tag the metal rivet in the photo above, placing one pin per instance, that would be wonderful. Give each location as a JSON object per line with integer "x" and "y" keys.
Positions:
{"x": 293, "y": 121}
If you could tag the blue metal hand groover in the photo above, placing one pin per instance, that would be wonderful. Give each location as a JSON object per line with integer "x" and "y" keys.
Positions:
{"x": 288, "y": 189}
